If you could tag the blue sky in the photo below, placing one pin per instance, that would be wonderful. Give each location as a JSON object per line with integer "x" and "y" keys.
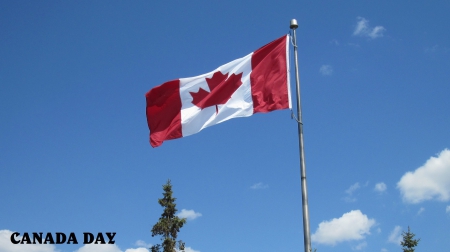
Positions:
{"x": 75, "y": 155}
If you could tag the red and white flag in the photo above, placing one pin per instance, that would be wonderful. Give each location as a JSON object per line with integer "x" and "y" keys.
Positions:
{"x": 258, "y": 82}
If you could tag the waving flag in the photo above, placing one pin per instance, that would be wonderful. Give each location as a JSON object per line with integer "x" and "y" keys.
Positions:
{"x": 258, "y": 82}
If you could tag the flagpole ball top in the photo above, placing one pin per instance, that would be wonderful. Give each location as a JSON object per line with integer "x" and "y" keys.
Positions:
{"x": 294, "y": 24}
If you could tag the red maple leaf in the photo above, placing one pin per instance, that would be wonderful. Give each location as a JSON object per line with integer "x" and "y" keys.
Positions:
{"x": 220, "y": 90}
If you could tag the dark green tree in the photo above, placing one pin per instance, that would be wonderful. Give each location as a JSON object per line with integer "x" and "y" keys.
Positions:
{"x": 409, "y": 242}
{"x": 168, "y": 224}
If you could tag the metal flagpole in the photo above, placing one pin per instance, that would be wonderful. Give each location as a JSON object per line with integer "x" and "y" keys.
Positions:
{"x": 306, "y": 233}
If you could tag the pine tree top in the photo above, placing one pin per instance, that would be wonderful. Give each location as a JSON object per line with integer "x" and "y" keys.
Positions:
{"x": 409, "y": 242}
{"x": 168, "y": 224}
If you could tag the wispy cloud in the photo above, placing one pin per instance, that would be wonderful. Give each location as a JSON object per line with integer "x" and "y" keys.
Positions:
{"x": 141, "y": 243}
{"x": 326, "y": 70}
{"x": 360, "y": 246}
{"x": 436, "y": 49}
{"x": 354, "y": 45}
{"x": 421, "y": 210}
{"x": 189, "y": 214}
{"x": 353, "y": 225}
{"x": 428, "y": 182}
{"x": 350, "y": 191}
{"x": 353, "y": 188}
{"x": 189, "y": 249}
{"x": 259, "y": 185}
{"x": 396, "y": 235}
{"x": 380, "y": 187}
{"x": 334, "y": 42}
{"x": 447, "y": 209}
{"x": 363, "y": 29}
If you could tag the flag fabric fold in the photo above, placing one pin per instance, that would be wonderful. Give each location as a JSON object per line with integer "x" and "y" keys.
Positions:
{"x": 255, "y": 83}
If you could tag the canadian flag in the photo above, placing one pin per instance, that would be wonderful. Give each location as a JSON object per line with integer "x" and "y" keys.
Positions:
{"x": 258, "y": 82}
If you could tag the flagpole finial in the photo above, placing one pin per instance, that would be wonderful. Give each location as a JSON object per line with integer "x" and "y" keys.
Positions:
{"x": 294, "y": 24}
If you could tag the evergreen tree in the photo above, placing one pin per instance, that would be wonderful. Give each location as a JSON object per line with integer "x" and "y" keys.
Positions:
{"x": 409, "y": 242}
{"x": 168, "y": 224}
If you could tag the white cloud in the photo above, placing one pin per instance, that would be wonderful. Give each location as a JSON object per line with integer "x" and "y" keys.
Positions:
{"x": 189, "y": 214}
{"x": 428, "y": 182}
{"x": 259, "y": 185}
{"x": 137, "y": 250}
{"x": 326, "y": 70}
{"x": 7, "y": 246}
{"x": 99, "y": 248}
{"x": 447, "y": 210}
{"x": 353, "y": 225}
{"x": 380, "y": 187}
{"x": 396, "y": 235}
{"x": 364, "y": 30}
{"x": 108, "y": 248}
{"x": 384, "y": 250}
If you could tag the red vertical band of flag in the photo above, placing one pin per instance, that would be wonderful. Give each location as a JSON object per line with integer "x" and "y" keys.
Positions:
{"x": 269, "y": 77}
{"x": 164, "y": 112}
